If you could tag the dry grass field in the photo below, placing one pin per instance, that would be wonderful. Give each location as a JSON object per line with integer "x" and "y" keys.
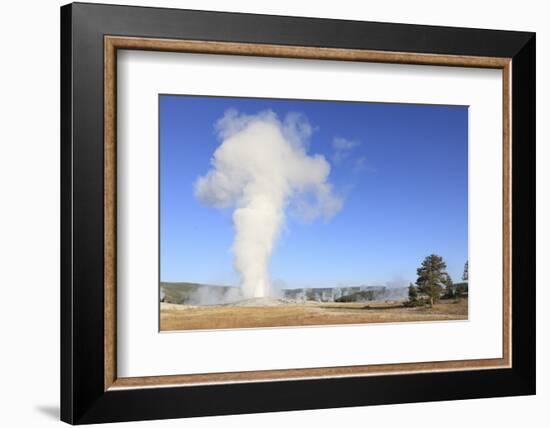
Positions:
{"x": 187, "y": 317}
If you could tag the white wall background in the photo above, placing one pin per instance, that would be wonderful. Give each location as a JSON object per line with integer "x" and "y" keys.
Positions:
{"x": 29, "y": 214}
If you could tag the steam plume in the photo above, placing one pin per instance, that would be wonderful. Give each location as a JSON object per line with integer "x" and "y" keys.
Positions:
{"x": 260, "y": 168}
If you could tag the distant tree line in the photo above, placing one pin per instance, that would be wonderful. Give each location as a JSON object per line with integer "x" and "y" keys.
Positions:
{"x": 433, "y": 283}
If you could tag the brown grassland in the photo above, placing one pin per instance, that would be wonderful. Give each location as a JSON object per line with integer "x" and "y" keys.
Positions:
{"x": 186, "y": 317}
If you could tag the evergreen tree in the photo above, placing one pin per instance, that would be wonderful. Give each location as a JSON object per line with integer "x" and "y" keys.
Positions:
{"x": 450, "y": 288}
{"x": 413, "y": 293}
{"x": 432, "y": 277}
{"x": 465, "y": 274}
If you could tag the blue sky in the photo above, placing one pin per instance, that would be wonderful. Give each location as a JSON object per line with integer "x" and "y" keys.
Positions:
{"x": 400, "y": 168}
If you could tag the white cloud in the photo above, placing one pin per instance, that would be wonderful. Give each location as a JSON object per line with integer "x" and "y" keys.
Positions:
{"x": 342, "y": 148}
{"x": 360, "y": 164}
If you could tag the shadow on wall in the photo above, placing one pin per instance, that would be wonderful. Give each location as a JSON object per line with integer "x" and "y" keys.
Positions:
{"x": 50, "y": 411}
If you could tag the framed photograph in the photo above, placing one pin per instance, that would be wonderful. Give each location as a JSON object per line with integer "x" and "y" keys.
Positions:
{"x": 266, "y": 213}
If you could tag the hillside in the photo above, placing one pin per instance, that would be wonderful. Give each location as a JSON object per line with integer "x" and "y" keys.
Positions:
{"x": 203, "y": 294}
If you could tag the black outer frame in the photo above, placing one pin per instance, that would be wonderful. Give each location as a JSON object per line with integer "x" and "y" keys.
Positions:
{"x": 83, "y": 399}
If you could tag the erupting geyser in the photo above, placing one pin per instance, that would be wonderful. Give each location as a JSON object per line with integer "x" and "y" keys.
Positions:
{"x": 260, "y": 169}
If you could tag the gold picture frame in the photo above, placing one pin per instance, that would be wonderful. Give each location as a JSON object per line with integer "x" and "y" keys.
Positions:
{"x": 114, "y": 43}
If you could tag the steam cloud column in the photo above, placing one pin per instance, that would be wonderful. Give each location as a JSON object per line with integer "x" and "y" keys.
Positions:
{"x": 261, "y": 169}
